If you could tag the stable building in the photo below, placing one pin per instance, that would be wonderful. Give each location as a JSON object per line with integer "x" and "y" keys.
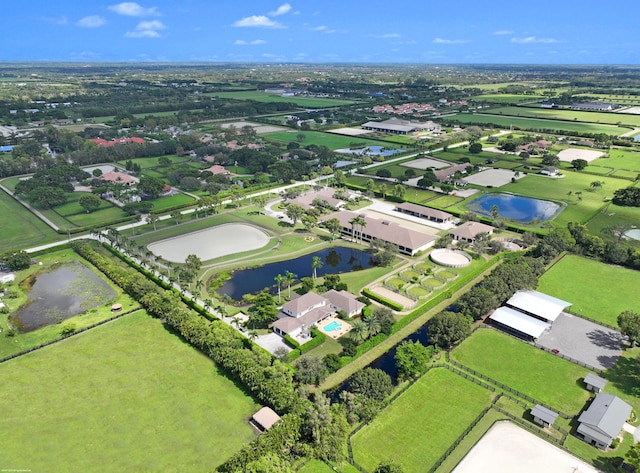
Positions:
{"x": 603, "y": 420}
{"x": 543, "y": 416}
{"x": 426, "y": 213}
{"x": 594, "y": 383}
{"x": 469, "y": 231}
{"x": 518, "y": 323}
{"x": 397, "y": 126}
{"x": 538, "y": 305}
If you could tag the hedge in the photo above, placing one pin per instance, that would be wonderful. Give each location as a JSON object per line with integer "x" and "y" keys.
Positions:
{"x": 382, "y": 300}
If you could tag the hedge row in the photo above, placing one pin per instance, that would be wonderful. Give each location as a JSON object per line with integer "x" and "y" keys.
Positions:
{"x": 318, "y": 338}
{"x": 382, "y": 300}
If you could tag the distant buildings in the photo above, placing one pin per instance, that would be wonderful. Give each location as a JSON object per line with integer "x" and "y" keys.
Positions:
{"x": 401, "y": 127}
{"x": 117, "y": 141}
{"x": 426, "y": 213}
{"x": 594, "y": 106}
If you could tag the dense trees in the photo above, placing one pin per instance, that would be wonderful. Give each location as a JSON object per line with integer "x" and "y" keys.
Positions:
{"x": 15, "y": 260}
{"x": 412, "y": 359}
{"x": 447, "y": 329}
{"x": 90, "y": 202}
{"x": 629, "y": 197}
{"x": 629, "y": 323}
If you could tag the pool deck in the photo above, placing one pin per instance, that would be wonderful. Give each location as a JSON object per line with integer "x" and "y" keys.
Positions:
{"x": 345, "y": 327}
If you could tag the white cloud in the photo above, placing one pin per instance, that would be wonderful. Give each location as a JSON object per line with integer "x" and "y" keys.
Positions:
{"x": 133, "y": 9}
{"x": 282, "y": 10}
{"x": 449, "y": 41}
{"x": 147, "y": 29}
{"x": 533, "y": 39}
{"x": 387, "y": 35}
{"x": 60, "y": 20}
{"x": 257, "y": 21}
{"x": 323, "y": 29}
{"x": 241, "y": 42}
{"x": 502, "y": 32}
{"x": 93, "y": 21}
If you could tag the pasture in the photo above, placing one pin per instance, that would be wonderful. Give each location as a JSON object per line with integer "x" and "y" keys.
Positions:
{"x": 534, "y": 372}
{"x": 507, "y": 98}
{"x": 571, "y": 115}
{"x": 20, "y": 228}
{"x": 109, "y": 400}
{"x": 620, "y": 159}
{"x": 259, "y": 96}
{"x": 600, "y": 298}
{"x": 418, "y": 427}
{"x": 536, "y": 123}
{"x": 329, "y": 140}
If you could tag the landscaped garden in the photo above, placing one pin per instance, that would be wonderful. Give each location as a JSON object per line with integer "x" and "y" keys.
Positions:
{"x": 595, "y": 290}
{"x": 418, "y": 427}
{"x": 128, "y": 386}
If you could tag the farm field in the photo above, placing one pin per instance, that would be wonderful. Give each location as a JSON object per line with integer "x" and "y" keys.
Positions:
{"x": 418, "y": 427}
{"x": 619, "y": 159}
{"x": 507, "y": 98}
{"x": 108, "y": 400}
{"x": 612, "y": 216}
{"x": 20, "y": 228}
{"x": 329, "y": 140}
{"x": 259, "y": 96}
{"x": 547, "y": 378}
{"x": 576, "y": 115}
{"x": 599, "y": 298}
{"x": 537, "y": 124}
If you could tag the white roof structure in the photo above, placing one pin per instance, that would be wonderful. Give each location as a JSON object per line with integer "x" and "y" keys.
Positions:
{"x": 520, "y": 322}
{"x": 538, "y": 304}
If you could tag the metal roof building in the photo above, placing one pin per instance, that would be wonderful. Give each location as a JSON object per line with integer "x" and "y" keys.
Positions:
{"x": 603, "y": 420}
{"x": 543, "y": 416}
{"x": 516, "y": 321}
{"x": 538, "y": 305}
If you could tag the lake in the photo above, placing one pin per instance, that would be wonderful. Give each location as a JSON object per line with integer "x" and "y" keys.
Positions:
{"x": 338, "y": 259}
{"x": 515, "y": 207}
{"x": 59, "y": 293}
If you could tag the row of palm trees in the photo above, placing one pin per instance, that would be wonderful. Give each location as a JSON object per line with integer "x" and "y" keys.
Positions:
{"x": 288, "y": 279}
{"x": 358, "y": 221}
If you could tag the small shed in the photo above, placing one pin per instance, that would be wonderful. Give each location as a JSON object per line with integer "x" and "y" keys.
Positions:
{"x": 543, "y": 416}
{"x": 265, "y": 418}
{"x": 594, "y": 383}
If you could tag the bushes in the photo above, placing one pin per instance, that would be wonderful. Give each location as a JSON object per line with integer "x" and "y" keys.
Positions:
{"x": 382, "y": 300}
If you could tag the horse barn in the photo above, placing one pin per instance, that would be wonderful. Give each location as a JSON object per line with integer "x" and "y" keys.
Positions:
{"x": 528, "y": 314}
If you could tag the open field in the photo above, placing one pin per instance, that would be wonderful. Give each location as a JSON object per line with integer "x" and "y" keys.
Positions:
{"x": 572, "y": 115}
{"x": 612, "y": 216}
{"x": 536, "y": 124}
{"x": 534, "y": 372}
{"x": 329, "y": 140}
{"x": 259, "y": 96}
{"x": 507, "y": 98}
{"x": 600, "y": 298}
{"x": 109, "y": 400}
{"x": 620, "y": 159}
{"x": 20, "y": 228}
{"x": 422, "y": 423}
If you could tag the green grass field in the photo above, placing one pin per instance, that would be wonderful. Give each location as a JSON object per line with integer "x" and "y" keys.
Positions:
{"x": 534, "y": 372}
{"x": 418, "y": 427}
{"x": 620, "y": 159}
{"x": 20, "y": 228}
{"x": 318, "y": 138}
{"x": 613, "y": 215}
{"x": 596, "y": 290}
{"x": 537, "y": 124}
{"x": 507, "y": 98}
{"x": 127, "y": 396}
{"x": 574, "y": 115}
{"x": 260, "y": 96}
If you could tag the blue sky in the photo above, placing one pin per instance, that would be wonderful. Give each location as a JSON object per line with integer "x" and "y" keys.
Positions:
{"x": 372, "y": 31}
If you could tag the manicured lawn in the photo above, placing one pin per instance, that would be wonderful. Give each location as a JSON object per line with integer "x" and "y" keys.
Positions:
{"x": 20, "y": 228}
{"x": 575, "y": 115}
{"x": 316, "y": 466}
{"x": 329, "y": 140}
{"x": 534, "y": 372}
{"x": 97, "y": 217}
{"x": 445, "y": 201}
{"x": 506, "y": 98}
{"x": 163, "y": 203}
{"x": 537, "y": 124}
{"x": 127, "y": 396}
{"x": 418, "y": 427}
{"x": 260, "y": 96}
{"x": 597, "y": 290}
{"x": 612, "y": 216}
{"x": 620, "y": 159}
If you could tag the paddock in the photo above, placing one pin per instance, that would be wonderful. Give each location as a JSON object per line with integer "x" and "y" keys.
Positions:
{"x": 506, "y": 448}
{"x": 424, "y": 163}
{"x": 569, "y": 154}
{"x": 211, "y": 243}
{"x": 492, "y": 177}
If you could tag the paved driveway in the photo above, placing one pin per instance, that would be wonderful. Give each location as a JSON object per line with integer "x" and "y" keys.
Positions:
{"x": 271, "y": 342}
{"x": 588, "y": 342}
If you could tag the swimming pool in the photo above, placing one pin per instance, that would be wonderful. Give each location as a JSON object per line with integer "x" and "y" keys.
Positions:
{"x": 332, "y": 326}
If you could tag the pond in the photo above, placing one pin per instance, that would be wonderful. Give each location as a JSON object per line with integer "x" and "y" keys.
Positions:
{"x": 515, "y": 207}
{"x": 59, "y": 293}
{"x": 338, "y": 259}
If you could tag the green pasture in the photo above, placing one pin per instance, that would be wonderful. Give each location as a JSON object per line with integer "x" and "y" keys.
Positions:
{"x": 596, "y": 290}
{"x": 126, "y": 396}
{"x": 599, "y": 170}
{"x": 97, "y": 218}
{"x": 613, "y": 215}
{"x": 259, "y": 96}
{"x": 27, "y": 340}
{"x": 536, "y": 123}
{"x": 507, "y": 98}
{"x": 20, "y": 228}
{"x": 316, "y": 466}
{"x": 164, "y": 203}
{"x": 445, "y": 201}
{"x": 152, "y": 161}
{"x": 318, "y": 138}
{"x": 418, "y": 427}
{"x": 613, "y": 98}
{"x": 571, "y": 115}
{"x": 580, "y": 207}
{"x": 620, "y": 159}
{"x": 547, "y": 378}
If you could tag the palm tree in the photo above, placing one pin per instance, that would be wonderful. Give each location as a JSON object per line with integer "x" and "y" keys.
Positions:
{"x": 358, "y": 331}
{"x": 289, "y": 278}
{"x": 199, "y": 284}
{"x": 372, "y": 322}
{"x": 362, "y": 222}
{"x": 226, "y": 299}
{"x": 353, "y": 222}
{"x": 279, "y": 279}
{"x": 252, "y": 335}
{"x": 315, "y": 265}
